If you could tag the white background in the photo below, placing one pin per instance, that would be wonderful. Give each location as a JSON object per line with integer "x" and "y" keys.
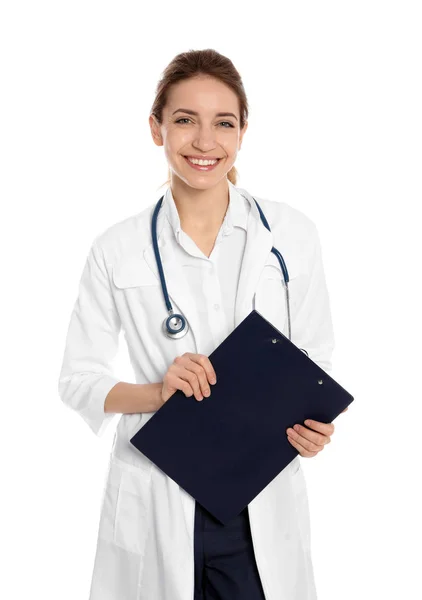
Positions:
{"x": 335, "y": 99}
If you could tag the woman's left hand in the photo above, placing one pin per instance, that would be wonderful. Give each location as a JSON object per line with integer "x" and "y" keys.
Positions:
{"x": 311, "y": 439}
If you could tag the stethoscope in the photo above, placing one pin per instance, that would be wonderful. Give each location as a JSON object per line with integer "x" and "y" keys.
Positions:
{"x": 176, "y": 326}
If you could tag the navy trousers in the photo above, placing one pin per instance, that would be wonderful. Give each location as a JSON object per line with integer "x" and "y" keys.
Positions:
{"x": 225, "y": 567}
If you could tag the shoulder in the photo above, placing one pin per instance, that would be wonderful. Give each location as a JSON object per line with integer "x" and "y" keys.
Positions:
{"x": 287, "y": 221}
{"x": 295, "y": 234}
{"x": 131, "y": 234}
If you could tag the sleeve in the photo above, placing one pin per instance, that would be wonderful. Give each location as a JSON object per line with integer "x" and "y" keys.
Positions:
{"x": 312, "y": 327}
{"x": 92, "y": 339}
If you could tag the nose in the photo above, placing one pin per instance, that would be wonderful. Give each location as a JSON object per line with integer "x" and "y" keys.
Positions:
{"x": 205, "y": 139}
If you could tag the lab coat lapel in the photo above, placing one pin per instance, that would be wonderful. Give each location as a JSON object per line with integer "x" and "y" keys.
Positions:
{"x": 259, "y": 242}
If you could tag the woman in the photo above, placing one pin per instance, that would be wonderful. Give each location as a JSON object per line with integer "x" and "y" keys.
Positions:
{"x": 155, "y": 542}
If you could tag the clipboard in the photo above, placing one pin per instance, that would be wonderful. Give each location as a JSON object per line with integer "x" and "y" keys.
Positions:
{"x": 227, "y": 448}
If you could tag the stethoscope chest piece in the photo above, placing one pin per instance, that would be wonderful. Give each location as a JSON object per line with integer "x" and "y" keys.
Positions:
{"x": 175, "y": 326}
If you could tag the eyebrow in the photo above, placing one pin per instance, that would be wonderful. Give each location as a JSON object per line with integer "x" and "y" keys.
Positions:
{"x": 192, "y": 112}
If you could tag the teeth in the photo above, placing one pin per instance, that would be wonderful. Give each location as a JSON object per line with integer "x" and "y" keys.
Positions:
{"x": 196, "y": 161}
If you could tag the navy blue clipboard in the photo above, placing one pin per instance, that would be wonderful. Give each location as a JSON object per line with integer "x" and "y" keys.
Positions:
{"x": 225, "y": 449}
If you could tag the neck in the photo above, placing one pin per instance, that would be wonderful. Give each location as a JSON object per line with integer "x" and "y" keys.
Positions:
{"x": 201, "y": 210}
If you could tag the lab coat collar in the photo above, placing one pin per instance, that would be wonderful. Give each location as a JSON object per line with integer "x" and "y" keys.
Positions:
{"x": 259, "y": 242}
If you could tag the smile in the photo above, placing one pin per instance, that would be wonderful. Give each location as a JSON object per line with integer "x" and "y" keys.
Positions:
{"x": 202, "y": 165}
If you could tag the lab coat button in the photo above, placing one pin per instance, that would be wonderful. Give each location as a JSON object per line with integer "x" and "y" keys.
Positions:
{"x": 217, "y": 306}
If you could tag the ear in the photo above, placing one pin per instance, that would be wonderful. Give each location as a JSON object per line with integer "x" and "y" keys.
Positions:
{"x": 155, "y": 131}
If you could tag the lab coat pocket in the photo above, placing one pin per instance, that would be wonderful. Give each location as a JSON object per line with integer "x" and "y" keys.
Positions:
{"x": 270, "y": 298}
{"x": 132, "y": 504}
{"x": 300, "y": 499}
{"x": 138, "y": 293}
{"x": 133, "y": 272}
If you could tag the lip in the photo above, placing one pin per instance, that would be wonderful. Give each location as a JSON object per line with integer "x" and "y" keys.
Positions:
{"x": 199, "y": 157}
{"x": 203, "y": 168}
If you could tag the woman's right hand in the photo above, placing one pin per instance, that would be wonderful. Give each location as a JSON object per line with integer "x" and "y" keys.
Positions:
{"x": 189, "y": 373}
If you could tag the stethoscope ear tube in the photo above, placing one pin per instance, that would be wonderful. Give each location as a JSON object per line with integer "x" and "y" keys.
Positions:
{"x": 157, "y": 253}
{"x": 176, "y": 326}
{"x": 282, "y": 266}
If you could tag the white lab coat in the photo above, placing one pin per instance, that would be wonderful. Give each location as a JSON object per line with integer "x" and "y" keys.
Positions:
{"x": 145, "y": 548}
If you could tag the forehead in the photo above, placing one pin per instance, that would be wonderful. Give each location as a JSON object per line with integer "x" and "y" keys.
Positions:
{"x": 204, "y": 94}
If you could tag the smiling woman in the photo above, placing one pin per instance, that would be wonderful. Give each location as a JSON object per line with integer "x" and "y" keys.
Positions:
{"x": 200, "y": 111}
{"x": 215, "y": 245}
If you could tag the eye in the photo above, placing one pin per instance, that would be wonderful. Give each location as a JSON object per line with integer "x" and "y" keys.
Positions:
{"x": 186, "y": 119}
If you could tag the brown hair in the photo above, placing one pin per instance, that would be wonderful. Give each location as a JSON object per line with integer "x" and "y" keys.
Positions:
{"x": 201, "y": 62}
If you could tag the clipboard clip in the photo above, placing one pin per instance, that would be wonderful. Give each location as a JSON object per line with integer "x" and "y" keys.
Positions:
{"x": 275, "y": 340}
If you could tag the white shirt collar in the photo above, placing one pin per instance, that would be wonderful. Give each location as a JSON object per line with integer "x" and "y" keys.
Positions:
{"x": 236, "y": 215}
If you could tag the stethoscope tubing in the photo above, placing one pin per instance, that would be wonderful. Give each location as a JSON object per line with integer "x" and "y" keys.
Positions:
{"x": 181, "y": 324}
